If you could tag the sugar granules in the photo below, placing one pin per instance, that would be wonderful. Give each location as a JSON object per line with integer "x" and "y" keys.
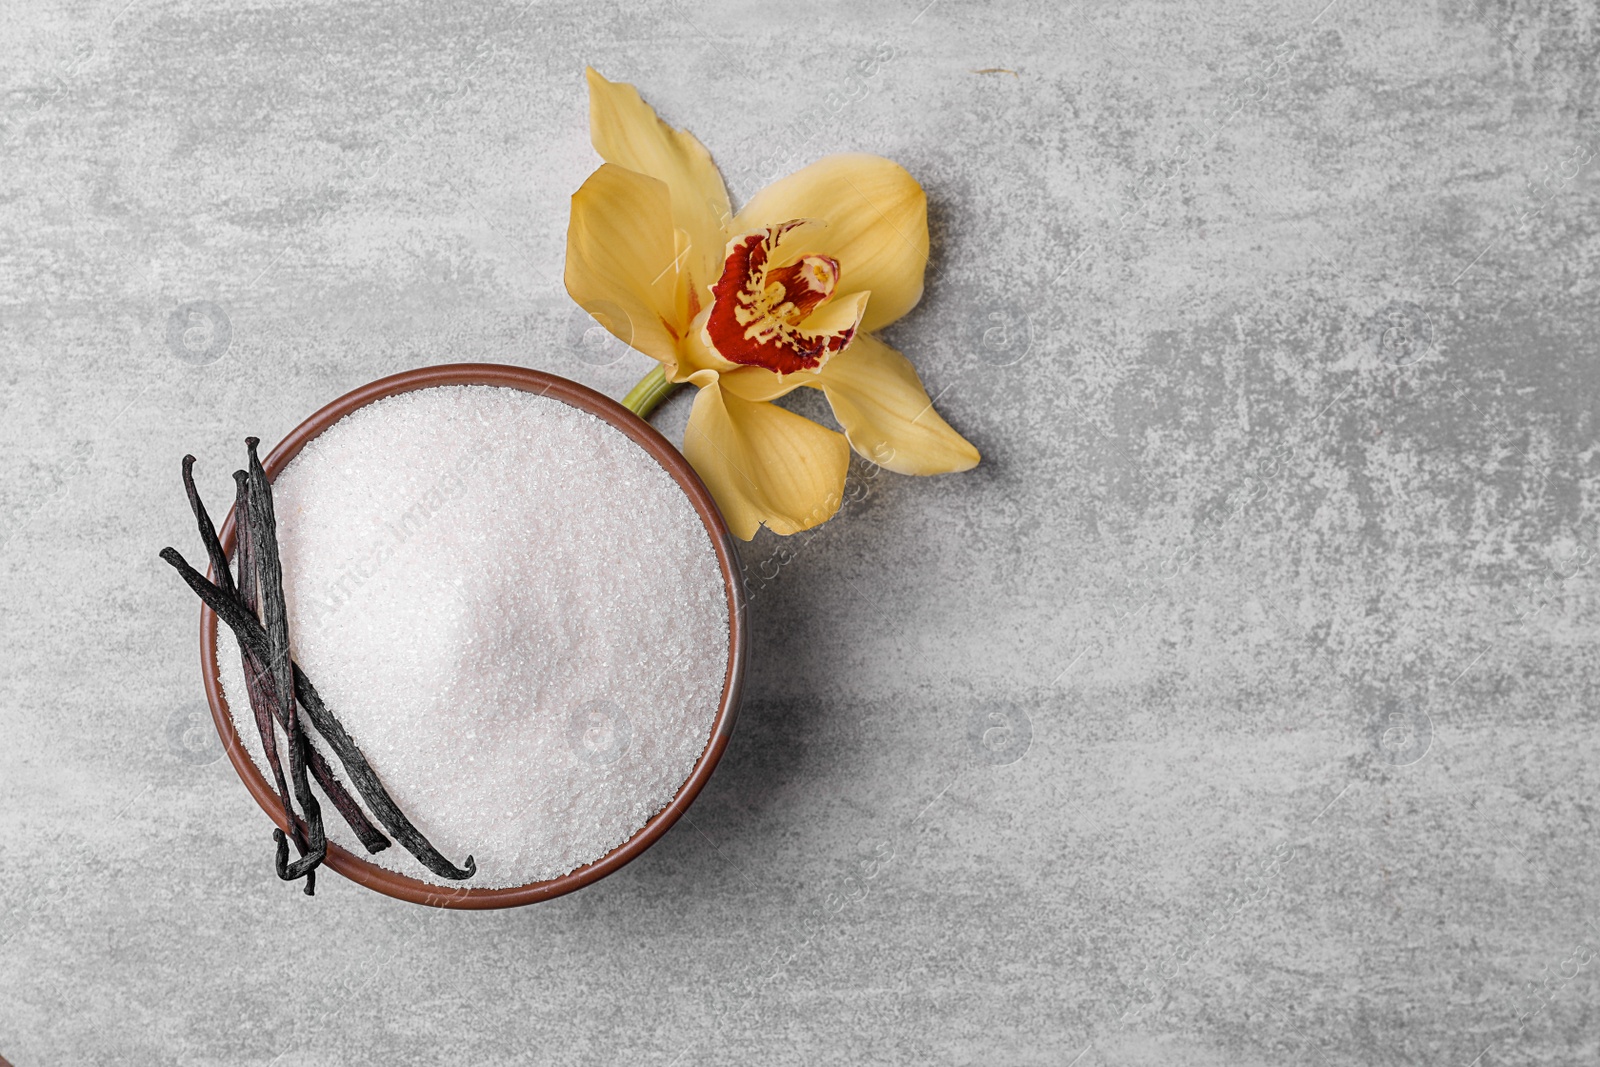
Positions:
{"x": 514, "y": 610}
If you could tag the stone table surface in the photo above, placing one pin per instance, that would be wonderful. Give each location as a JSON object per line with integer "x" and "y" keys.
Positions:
{"x": 1240, "y": 708}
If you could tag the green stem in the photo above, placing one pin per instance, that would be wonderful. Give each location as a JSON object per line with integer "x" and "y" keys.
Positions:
{"x": 652, "y": 389}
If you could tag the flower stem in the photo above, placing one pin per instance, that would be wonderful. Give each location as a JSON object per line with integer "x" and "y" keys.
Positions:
{"x": 652, "y": 389}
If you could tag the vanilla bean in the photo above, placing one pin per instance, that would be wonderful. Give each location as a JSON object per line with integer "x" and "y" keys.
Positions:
{"x": 263, "y": 696}
{"x": 248, "y": 629}
{"x": 255, "y": 674}
{"x": 208, "y": 532}
{"x": 259, "y": 697}
{"x": 275, "y": 617}
{"x": 263, "y": 701}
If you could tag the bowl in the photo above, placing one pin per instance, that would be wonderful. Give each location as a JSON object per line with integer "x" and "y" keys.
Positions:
{"x": 404, "y": 887}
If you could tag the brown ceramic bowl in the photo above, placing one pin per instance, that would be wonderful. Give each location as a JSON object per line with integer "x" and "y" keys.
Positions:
{"x": 402, "y": 886}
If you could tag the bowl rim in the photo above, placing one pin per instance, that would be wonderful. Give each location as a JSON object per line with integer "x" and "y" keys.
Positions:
{"x": 404, "y": 887}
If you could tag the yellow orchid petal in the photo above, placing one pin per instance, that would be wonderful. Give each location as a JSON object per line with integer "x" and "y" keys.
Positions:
{"x": 759, "y": 383}
{"x": 626, "y": 131}
{"x": 874, "y": 219}
{"x": 764, "y": 465}
{"x": 879, "y": 400}
{"x": 620, "y": 260}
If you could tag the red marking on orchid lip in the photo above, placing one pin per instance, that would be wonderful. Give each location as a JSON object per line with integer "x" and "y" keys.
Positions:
{"x": 806, "y": 283}
{"x": 756, "y": 311}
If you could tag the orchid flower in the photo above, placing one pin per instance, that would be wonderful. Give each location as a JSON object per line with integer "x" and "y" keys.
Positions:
{"x": 749, "y": 307}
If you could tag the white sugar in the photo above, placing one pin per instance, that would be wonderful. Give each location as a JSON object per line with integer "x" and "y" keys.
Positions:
{"x": 516, "y": 613}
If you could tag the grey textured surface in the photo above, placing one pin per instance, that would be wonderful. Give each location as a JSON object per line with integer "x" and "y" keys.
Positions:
{"x": 1239, "y": 709}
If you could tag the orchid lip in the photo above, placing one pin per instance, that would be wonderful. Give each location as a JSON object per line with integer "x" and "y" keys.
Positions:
{"x": 758, "y": 309}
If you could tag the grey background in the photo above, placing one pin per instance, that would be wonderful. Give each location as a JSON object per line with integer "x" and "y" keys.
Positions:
{"x": 1239, "y": 709}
